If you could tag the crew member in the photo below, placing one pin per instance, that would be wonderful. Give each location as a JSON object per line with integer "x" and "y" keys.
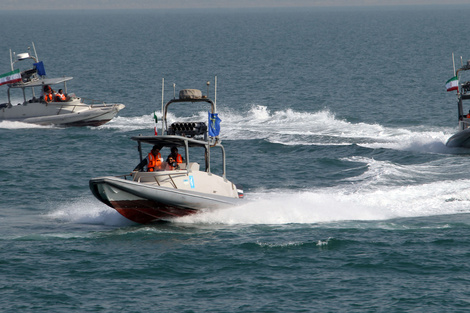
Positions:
{"x": 175, "y": 155}
{"x": 154, "y": 159}
{"x": 48, "y": 94}
{"x": 171, "y": 164}
{"x": 152, "y": 162}
{"x": 60, "y": 97}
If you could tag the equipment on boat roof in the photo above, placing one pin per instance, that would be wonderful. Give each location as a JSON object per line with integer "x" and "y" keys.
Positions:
{"x": 187, "y": 94}
{"x": 190, "y": 129}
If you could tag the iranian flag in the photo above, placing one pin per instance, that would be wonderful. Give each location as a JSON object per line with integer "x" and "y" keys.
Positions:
{"x": 452, "y": 84}
{"x": 10, "y": 77}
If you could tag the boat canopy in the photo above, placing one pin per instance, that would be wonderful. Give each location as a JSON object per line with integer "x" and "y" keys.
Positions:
{"x": 41, "y": 82}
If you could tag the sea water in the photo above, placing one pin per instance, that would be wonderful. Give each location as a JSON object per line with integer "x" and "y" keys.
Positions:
{"x": 334, "y": 122}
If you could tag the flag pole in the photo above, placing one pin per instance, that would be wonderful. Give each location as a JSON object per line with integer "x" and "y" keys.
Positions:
{"x": 453, "y": 62}
{"x": 11, "y": 61}
{"x": 35, "y": 53}
{"x": 215, "y": 94}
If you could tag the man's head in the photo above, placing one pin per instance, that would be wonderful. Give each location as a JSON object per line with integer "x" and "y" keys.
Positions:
{"x": 156, "y": 149}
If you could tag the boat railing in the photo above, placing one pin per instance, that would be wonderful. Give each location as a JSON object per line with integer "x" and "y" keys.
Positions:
{"x": 62, "y": 105}
{"x": 91, "y": 101}
{"x": 464, "y": 123}
{"x": 157, "y": 177}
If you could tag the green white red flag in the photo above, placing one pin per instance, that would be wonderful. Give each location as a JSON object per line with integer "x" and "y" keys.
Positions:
{"x": 10, "y": 77}
{"x": 156, "y": 121}
{"x": 452, "y": 84}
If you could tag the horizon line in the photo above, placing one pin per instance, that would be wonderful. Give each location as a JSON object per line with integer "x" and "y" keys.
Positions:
{"x": 127, "y": 6}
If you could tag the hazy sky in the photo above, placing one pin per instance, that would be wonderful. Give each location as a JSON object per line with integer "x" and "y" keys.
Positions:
{"x": 156, "y": 4}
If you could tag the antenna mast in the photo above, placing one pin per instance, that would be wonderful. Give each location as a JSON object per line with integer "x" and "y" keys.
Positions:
{"x": 11, "y": 60}
{"x": 453, "y": 62}
{"x": 163, "y": 88}
{"x": 35, "y": 54}
{"x": 215, "y": 95}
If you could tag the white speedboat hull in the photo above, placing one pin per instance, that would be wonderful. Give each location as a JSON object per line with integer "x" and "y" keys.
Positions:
{"x": 146, "y": 203}
{"x": 63, "y": 114}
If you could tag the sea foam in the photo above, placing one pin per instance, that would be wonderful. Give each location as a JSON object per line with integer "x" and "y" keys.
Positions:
{"x": 20, "y": 125}
{"x": 289, "y": 127}
{"x": 339, "y": 204}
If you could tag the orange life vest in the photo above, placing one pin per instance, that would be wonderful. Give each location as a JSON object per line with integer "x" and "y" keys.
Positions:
{"x": 48, "y": 97}
{"x": 179, "y": 158}
{"x": 154, "y": 163}
{"x": 60, "y": 96}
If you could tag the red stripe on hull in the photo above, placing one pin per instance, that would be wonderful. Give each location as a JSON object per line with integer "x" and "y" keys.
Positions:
{"x": 146, "y": 211}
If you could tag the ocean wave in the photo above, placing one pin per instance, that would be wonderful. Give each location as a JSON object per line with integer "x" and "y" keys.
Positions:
{"x": 88, "y": 211}
{"x": 380, "y": 173}
{"x": 290, "y": 127}
{"x": 21, "y": 125}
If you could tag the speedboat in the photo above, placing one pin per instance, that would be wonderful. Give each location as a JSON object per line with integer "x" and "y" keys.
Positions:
{"x": 167, "y": 192}
{"x": 462, "y": 137}
{"x": 27, "y": 103}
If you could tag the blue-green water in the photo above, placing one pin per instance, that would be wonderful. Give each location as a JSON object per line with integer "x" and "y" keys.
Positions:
{"x": 333, "y": 120}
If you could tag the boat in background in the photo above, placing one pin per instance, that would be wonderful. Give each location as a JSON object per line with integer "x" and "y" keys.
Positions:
{"x": 173, "y": 190}
{"x": 462, "y": 137}
{"x": 29, "y": 86}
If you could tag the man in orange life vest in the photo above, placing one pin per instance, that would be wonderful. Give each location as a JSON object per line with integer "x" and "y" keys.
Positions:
{"x": 48, "y": 94}
{"x": 153, "y": 161}
{"x": 171, "y": 164}
{"x": 174, "y": 158}
{"x": 60, "y": 97}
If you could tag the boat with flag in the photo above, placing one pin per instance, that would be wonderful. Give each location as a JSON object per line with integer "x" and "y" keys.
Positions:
{"x": 32, "y": 97}
{"x": 462, "y": 88}
{"x": 159, "y": 189}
